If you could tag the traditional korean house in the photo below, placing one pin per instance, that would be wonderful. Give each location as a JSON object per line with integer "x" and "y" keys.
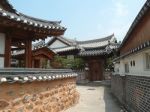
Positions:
{"x": 130, "y": 82}
{"x": 17, "y": 31}
{"x": 41, "y": 56}
{"x": 30, "y": 89}
{"x": 94, "y": 52}
{"x": 63, "y": 46}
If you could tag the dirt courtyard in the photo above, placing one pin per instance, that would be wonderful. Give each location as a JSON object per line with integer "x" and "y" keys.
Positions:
{"x": 94, "y": 98}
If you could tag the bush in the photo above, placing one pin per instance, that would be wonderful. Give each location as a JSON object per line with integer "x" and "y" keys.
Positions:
{"x": 63, "y": 62}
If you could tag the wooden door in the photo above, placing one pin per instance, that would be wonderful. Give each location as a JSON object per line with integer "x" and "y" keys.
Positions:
{"x": 95, "y": 70}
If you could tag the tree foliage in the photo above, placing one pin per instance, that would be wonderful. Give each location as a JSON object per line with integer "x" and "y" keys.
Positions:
{"x": 64, "y": 62}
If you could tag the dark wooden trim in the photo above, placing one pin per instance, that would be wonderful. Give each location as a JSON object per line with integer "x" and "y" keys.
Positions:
{"x": 2, "y": 55}
{"x": 7, "y": 51}
{"x": 28, "y": 54}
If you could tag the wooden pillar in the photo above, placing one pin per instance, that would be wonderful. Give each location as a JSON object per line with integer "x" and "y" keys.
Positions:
{"x": 28, "y": 54}
{"x": 7, "y": 62}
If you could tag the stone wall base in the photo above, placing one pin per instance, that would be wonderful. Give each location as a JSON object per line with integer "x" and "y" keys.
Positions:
{"x": 42, "y": 96}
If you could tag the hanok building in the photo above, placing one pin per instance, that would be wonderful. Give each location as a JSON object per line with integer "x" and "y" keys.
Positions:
{"x": 41, "y": 56}
{"x": 131, "y": 80}
{"x": 63, "y": 46}
{"x": 27, "y": 89}
{"x": 94, "y": 52}
{"x": 17, "y": 31}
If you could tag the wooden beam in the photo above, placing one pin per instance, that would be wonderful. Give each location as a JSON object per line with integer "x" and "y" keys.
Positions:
{"x": 28, "y": 54}
{"x": 18, "y": 45}
{"x": 14, "y": 49}
{"x": 7, "y": 51}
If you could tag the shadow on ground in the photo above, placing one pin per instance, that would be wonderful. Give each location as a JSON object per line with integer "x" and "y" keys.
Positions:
{"x": 111, "y": 103}
{"x": 105, "y": 83}
{"x": 95, "y": 97}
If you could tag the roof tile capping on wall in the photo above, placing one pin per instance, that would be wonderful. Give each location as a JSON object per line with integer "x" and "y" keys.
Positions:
{"x": 34, "y": 90}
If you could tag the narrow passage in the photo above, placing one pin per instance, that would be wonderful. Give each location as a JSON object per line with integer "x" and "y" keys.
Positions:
{"x": 95, "y": 99}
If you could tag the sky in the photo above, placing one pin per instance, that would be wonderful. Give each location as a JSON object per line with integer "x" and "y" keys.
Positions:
{"x": 85, "y": 19}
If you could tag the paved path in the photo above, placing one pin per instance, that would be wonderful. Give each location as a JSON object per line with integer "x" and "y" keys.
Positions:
{"x": 95, "y": 99}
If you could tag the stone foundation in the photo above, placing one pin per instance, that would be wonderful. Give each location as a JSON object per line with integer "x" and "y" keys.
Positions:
{"x": 38, "y": 96}
{"x": 132, "y": 91}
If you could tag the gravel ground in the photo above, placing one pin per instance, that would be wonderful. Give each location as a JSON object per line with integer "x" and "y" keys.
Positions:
{"x": 95, "y": 99}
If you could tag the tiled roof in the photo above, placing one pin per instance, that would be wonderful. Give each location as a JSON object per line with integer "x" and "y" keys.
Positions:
{"x": 93, "y": 52}
{"x": 70, "y": 48}
{"x": 7, "y": 6}
{"x": 89, "y": 48}
{"x": 96, "y": 43}
{"x": 39, "y": 44}
{"x": 135, "y": 50}
{"x": 142, "y": 12}
{"x": 108, "y": 38}
{"x": 10, "y": 75}
{"x": 30, "y": 21}
{"x": 98, "y": 50}
{"x": 62, "y": 39}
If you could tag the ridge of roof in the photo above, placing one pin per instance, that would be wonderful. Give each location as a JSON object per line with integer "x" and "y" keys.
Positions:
{"x": 69, "y": 41}
{"x": 12, "y": 14}
{"x": 27, "y": 16}
{"x": 72, "y": 42}
{"x": 136, "y": 21}
{"x": 6, "y": 4}
{"x": 96, "y": 40}
{"x": 62, "y": 39}
{"x": 37, "y": 19}
{"x": 38, "y": 44}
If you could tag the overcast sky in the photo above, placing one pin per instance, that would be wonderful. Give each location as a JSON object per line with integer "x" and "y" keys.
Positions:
{"x": 85, "y": 19}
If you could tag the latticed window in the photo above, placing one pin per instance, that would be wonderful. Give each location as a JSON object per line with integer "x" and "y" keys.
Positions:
{"x": 147, "y": 60}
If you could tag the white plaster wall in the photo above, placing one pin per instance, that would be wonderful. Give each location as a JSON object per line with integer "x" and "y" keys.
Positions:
{"x": 138, "y": 69}
{"x": 116, "y": 67}
{"x": 2, "y": 49}
{"x": 58, "y": 44}
{"x": 2, "y": 43}
{"x": 1, "y": 62}
{"x": 121, "y": 69}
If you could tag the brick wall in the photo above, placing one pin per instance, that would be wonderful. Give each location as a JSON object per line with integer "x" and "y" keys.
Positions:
{"x": 38, "y": 96}
{"x": 117, "y": 87}
{"x": 133, "y": 92}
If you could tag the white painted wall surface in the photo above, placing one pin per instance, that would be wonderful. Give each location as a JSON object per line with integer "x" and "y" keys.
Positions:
{"x": 1, "y": 62}
{"x": 2, "y": 49}
{"x": 2, "y": 43}
{"x": 58, "y": 44}
{"x": 138, "y": 69}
